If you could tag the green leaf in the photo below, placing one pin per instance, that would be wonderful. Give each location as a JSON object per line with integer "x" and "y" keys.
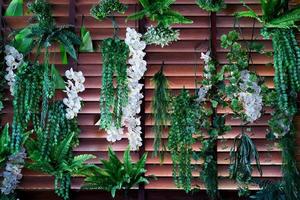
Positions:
{"x": 15, "y": 8}
{"x": 87, "y": 44}
{"x": 22, "y": 41}
{"x": 59, "y": 82}
{"x": 214, "y": 103}
{"x": 248, "y": 13}
{"x": 63, "y": 55}
{"x": 287, "y": 20}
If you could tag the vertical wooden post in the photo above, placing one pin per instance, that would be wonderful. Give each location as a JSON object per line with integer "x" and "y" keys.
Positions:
{"x": 142, "y": 29}
{"x": 213, "y": 34}
{"x": 72, "y": 21}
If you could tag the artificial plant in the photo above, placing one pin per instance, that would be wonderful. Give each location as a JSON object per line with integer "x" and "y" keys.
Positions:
{"x": 184, "y": 123}
{"x": 114, "y": 55}
{"x": 4, "y": 145}
{"x": 160, "y": 11}
{"x": 15, "y": 8}
{"x": 211, "y": 5}
{"x": 56, "y": 158}
{"x": 160, "y": 107}
{"x": 86, "y": 39}
{"x": 279, "y": 23}
{"x": 117, "y": 175}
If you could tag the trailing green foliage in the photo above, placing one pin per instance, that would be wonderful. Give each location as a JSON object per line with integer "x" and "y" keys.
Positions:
{"x": 242, "y": 154}
{"x": 160, "y": 107}
{"x": 15, "y": 8}
{"x": 211, "y": 5}
{"x": 116, "y": 174}
{"x": 184, "y": 123}
{"x": 114, "y": 55}
{"x": 107, "y": 8}
{"x": 161, "y": 12}
{"x": 55, "y": 157}
{"x": 4, "y": 145}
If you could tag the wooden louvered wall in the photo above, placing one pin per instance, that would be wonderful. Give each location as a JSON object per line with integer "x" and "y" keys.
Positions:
{"x": 182, "y": 61}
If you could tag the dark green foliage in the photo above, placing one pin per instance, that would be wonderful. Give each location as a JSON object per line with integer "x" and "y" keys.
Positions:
{"x": 55, "y": 158}
{"x": 4, "y": 145}
{"x": 45, "y": 32}
{"x": 242, "y": 154}
{"x": 26, "y": 103}
{"x": 160, "y": 107}
{"x": 269, "y": 191}
{"x": 211, "y": 5}
{"x": 8, "y": 197}
{"x": 114, "y": 54}
{"x": 107, "y": 8}
{"x": 184, "y": 123}
{"x": 2, "y": 75}
{"x": 116, "y": 174}
{"x": 161, "y": 12}
{"x": 287, "y": 68}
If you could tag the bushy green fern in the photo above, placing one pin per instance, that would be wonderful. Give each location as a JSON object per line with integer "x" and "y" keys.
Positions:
{"x": 211, "y": 5}
{"x": 117, "y": 175}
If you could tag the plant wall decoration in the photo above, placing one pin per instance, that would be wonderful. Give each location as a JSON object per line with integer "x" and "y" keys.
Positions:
{"x": 160, "y": 11}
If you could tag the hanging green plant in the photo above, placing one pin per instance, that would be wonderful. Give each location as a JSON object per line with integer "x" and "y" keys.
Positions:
{"x": 160, "y": 107}
{"x": 211, "y": 5}
{"x": 116, "y": 174}
{"x": 15, "y": 8}
{"x": 160, "y": 11}
{"x": 114, "y": 55}
{"x": 269, "y": 190}
{"x": 184, "y": 123}
{"x": 56, "y": 157}
{"x": 4, "y": 145}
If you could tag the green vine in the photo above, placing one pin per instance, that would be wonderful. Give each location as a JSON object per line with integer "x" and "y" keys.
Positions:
{"x": 114, "y": 54}
{"x": 184, "y": 123}
{"x": 160, "y": 107}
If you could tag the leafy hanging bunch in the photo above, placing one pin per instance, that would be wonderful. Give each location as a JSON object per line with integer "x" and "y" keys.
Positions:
{"x": 106, "y": 8}
{"x": 278, "y": 23}
{"x": 184, "y": 123}
{"x": 160, "y": 11}
{"x": 160, "y": 107}
{"x": 56, "y": 157}
{"x": 117, "y": 175}
{"x": 211, "y": 5}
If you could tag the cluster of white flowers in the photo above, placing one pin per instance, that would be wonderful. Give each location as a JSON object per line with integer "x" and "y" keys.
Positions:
{"x": 13, "y": 60}
{"x": 250, "y": 96}
{"x": 73, "y": 87}
{"x": 135, "y": 72}
{"x": 160, "y": 35}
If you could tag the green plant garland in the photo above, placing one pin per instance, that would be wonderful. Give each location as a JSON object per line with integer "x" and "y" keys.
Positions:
{"x": 114, "y": 54}
{"x": 160, "y": 107}
{"x": 211, "y": 5}
{"x": 184, "y": 123}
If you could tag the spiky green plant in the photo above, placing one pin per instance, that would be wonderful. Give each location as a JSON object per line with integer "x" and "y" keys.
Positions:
{"x": 160, "y": 107}
{"x": 116, "y": 174}
{"x": 107, "y": 8}
{"x": 4, "y": 145}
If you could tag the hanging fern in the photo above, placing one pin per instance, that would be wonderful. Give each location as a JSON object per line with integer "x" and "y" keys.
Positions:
{"x": 107, "y": 8}
{"x": 114, "y": 54}
{"x": 184, "y": 123}
{"x": 211, "y": 5}
{"x": 160, "y": 107}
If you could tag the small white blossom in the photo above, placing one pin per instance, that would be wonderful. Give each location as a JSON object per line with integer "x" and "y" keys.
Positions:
{"x": 13, "y": 60}
{"x": 250, "y": 97}
{"x": 74, "y": 85}
{"x": 160, "y": 35}
{"x": 202, "y": 92}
